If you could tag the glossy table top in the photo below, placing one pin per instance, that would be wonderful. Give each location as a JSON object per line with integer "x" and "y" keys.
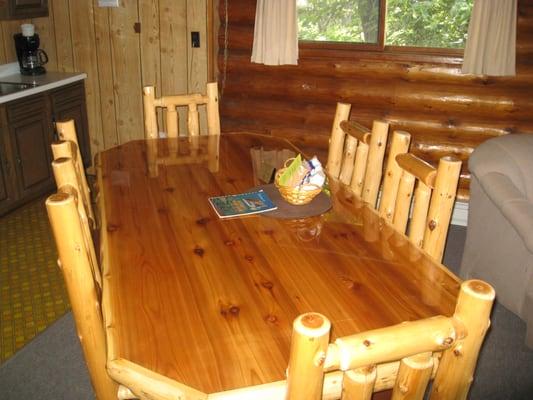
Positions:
{"x": 210, "y": 302}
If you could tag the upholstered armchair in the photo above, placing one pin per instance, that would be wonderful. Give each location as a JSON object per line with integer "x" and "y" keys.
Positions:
{"x": 499, "y": 242}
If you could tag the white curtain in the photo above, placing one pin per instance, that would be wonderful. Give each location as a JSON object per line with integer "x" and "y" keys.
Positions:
{"x": 491, "y": 44}
{"x": 275, "y": 33}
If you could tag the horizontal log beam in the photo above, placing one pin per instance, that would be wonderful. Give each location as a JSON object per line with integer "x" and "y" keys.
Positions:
{"x": 418, "y": 168}
{"x": 356, "y": 130}
{"x": 394, "y": 95}
{"x": 378, "y": 69}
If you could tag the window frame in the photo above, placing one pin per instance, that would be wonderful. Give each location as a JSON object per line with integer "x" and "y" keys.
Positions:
{"x": 380, "y": 46}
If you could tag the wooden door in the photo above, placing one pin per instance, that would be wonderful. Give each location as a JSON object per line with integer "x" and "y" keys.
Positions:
{"x": 31, "y": 135}
{"x": 8, "y": 193}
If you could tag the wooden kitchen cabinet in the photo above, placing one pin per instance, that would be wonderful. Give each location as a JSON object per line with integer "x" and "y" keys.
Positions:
{"x": 8, "y": 193}
{"x": 31, "y": 133}
{"x": 26, "y": 133}
{"x": 19, "y": 9}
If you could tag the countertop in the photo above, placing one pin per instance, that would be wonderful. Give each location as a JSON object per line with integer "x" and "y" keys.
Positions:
{"x": 49, "y": 80}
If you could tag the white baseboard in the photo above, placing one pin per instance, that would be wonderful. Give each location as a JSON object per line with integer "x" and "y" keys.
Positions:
{"x": 460, "y": 213}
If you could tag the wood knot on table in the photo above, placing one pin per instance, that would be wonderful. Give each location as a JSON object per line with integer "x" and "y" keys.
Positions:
{"x": 267, "y": 285}
{"x": 202, "y": 221}
{"x": 271, "y": 319}
{"x": 199, "y": 251}
{"x": 231, "y": 310}
{"x": 351, "y": 284}
{"x": 112, "y": 227}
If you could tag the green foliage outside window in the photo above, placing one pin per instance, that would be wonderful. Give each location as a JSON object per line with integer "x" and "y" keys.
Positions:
{"x": 338, "y": 20}
{"x": 418, "y": 23}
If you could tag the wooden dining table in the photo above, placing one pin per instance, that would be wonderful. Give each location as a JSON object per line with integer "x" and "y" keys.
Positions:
{"x": 208, "y": 302}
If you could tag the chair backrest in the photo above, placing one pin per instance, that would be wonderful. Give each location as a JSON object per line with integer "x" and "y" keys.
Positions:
{"x": 171, "y": 102}
{"x": 356, "y": 154}
{"x": 402, "y": 357}
{"x": 73, "y": 244}
{"x": 399, "y": 145}
{"x": 66, "y": 131}
{"x": 432, "y": 204}
{"x": 67, "y": 180}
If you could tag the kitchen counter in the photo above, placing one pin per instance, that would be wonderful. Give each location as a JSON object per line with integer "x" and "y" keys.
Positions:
{"x": 29, "y": 106}
{"x": 49, "y": 80}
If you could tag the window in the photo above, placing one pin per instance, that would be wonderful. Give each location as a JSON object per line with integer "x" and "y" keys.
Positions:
{"x": 379, "y": 23}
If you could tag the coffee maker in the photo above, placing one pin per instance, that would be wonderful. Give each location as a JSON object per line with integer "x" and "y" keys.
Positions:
{"x": 31, "y": 58}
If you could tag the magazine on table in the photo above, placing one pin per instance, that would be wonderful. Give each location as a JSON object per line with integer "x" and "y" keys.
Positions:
{"x": 235, "y": 205}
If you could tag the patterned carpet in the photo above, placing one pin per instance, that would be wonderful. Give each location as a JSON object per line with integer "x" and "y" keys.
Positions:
{"x": 32, "y": 292}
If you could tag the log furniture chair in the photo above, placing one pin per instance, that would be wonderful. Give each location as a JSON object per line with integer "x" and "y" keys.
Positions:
{"x": 403, "y": 357}
{"x": 81, "y": 270}
{"x": 66, "y": 131}
{"x": 75, "y": 260}
{"x": 171, "y": 102}
{"x": 355, "y": 154}
{"x": 499, "y": 238}
{"x": 433, "y": 200}
{"x": 68, "y": 180}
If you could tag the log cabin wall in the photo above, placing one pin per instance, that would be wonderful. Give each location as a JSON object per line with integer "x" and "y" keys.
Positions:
{"x": 79, "y": 36}
{"x": 446, "y": 112}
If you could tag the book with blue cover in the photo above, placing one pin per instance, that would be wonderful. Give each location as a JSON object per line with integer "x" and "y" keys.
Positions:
{"x": 235, "y": 205}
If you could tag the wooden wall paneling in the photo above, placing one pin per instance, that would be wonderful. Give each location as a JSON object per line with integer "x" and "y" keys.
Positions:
{"x": 105, "y": 77}
{"x": 419, "y": 98}
{"x": 378, "y": 69}
{"x": 84, "y": 57}
{"x": 80, "y": 36}
{"x": 197, "y": 57}
{"x": 44, "y": 27}
{"x": 241, "y": 12}
{"x": 9, "y": 28}
{"x": 150, "y": 43}
{"x": 240, "y": 37}
{"x": 60, "y": 12}
{"x": 125, "y": 50}
{"x": 445, "y": 111}
{"x": 173, "y": 34}
{"x": 213, "y": 25}
{"x": 149, "y": 16}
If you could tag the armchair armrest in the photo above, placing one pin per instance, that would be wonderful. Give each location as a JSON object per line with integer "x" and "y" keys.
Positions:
{"x": 516, "y": 208}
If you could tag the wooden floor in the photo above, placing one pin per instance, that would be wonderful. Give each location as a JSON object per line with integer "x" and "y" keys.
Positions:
{"x": 32, "y": 292}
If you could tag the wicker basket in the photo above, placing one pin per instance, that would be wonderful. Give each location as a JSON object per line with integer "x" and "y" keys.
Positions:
{"x": 296, "y": 195}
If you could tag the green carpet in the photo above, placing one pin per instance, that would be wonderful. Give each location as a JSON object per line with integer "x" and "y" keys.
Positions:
{"x": 32, "y": 292}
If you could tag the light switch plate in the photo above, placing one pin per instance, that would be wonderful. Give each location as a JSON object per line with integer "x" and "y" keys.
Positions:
{"x": 108, "y": 3}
